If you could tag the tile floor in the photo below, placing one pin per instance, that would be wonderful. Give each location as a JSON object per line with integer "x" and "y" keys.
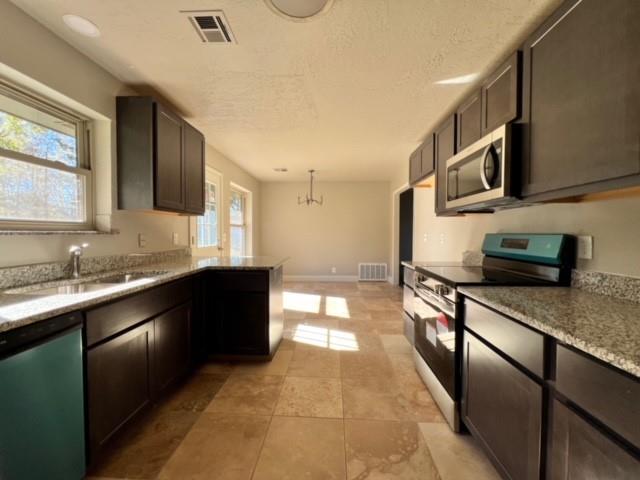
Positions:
{"x": 340, "y": 400}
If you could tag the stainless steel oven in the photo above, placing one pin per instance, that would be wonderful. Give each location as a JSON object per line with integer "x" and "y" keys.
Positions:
{"x": 435, "y": 343}
{"x": 480, "y": 176}
{"x": 408, "y": 296}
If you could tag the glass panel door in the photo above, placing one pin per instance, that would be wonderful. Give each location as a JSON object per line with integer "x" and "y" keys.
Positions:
{"x": 205, "y": 230}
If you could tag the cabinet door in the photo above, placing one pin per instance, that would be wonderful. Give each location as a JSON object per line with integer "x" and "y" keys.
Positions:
{"x": 193, "y": 170}
{"x": 169, "y": 166}
{"x": 118, "y": 382}
{"x": 582, "y": 99}
{"x": 427, "y": 155}
{"x": 172, "y": 341}
{"x": 415, "y": 167}
{"x": 503, "y": 408}
{"x": 468, "y": 118}
{"x": 445, "y": 143}
{"x": 501, "y": 95}
{"x": 578, "y": 451}
{"x": 242, "y": 323}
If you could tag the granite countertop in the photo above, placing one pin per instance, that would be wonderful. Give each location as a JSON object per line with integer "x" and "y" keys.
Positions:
{"x": 22, "y": 308}
{"x": 606, "y": 327}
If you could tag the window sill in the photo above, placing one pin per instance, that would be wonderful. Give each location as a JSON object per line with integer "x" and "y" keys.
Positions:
{"x": 58, "y": 232}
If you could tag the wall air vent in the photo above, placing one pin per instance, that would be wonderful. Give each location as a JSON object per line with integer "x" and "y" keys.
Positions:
{"x": 211, "y": 26}
{"x": 372, "y": 272}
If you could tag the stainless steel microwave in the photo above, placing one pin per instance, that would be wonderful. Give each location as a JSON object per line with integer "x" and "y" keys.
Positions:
{"x": 480, "y": 176}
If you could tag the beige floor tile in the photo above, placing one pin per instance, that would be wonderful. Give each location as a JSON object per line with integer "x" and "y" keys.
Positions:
{"x": 143, "y": 448}
{"x": 247, "y": 395}
{"x": 387, "y": 450}
{"x": 221, "y": 368}
{"x": 396, "y": 344}
{"x": 375, "y": 398}
{"x": 368, "y": 343}
{"x": 302, "y": 448}
{"x": 314, "y": 362}
{"x": 457, "y": 457}
{"x": 218, "y": 447}
{"x": 278, "y": 365}
{"x": 364, "y": 364}
{"x": 195, "y": 393}
{"x": 386, "y": 315}
{"x": 287, "y": 344}
{"x": 310, "y": 397}
{"x": 356, "y": 325}
{"x": 384, "y": 327}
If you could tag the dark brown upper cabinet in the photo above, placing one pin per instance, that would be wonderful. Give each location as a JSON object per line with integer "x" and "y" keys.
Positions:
{"x": 194, "y": 169}
{"x": 415, "y": 167}
{"x": 469, "y": 119}
{"x": 422, "y": 161}
{"x": 581, "y": 101}
{"x": 445, "y": 148}
{"x": 501, "y": 95}
{"x": 160, "y": 159}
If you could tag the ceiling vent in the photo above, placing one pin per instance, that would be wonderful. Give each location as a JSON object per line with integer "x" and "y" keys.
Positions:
{"x": 211, "y": 26}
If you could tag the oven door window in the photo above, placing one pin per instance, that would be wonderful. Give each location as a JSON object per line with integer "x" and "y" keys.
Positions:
{"x": 476, "y": 173}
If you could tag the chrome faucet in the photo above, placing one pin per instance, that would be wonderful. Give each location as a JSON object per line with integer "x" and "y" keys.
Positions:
{"x": 75, "y": 252}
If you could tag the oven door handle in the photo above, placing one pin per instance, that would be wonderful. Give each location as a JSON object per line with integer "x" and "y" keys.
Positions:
{"x": 434, "y": 301}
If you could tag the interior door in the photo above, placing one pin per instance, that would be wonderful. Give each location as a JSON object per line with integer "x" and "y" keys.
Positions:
{"x": 205, "y": 231}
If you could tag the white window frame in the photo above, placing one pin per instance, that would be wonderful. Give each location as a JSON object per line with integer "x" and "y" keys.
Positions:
{"x": 215, "y": 177}
{"x": 245, "y": 200}
{"x": 83, "y": 137}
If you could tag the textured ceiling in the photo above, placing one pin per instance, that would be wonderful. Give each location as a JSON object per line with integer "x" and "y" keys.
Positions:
{"x": 350, "y": 93}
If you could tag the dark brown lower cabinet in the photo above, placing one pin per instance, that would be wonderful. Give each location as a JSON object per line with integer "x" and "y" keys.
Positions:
{"x": 172, "y": 345}
{"x": 118, "y": 382}
{"x": 502, "y": 407}
{"x": 243, "y": 323}
{"x": 579, "y": 451}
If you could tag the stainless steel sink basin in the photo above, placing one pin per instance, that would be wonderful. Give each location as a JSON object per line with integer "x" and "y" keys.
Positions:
{"x": 92, "y": 285}
{"x": 69, "y": 289}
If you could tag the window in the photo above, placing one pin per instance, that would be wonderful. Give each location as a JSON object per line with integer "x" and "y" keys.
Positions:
{"x": 238, "y": 224}
{"x": 208, "y": 225}
{"x": 45, "y": 180}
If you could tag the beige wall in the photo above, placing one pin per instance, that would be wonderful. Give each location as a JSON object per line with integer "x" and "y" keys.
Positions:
{"x": 36, "y": 58}
{"x": 352, "y": 226}
{"x": 614, "y": 225}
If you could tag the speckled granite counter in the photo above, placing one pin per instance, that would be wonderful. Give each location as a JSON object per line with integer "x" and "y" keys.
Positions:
{"x": 22, "y": 308}
{"x": 602, "y": 326}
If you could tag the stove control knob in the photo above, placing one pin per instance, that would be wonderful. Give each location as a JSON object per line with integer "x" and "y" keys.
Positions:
{"x": 441, "y": 289}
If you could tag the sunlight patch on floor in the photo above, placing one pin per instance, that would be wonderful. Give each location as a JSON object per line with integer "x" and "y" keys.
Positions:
{"x": 302, "y": 302}
{"x": 337, "y": 307}
{"x": 326, "y": 338}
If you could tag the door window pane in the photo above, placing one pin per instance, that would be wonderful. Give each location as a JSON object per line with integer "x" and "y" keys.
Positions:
{"x": 237, "y": 241}
{"x": 208, "y": 223}
{"x": 237, "y": 215}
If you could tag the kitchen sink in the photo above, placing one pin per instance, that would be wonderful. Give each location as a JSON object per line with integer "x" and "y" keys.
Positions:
{"x": 75, "y": 287}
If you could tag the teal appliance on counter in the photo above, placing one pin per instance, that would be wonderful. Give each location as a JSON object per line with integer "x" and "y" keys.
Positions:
{"x": 42, "y": 401}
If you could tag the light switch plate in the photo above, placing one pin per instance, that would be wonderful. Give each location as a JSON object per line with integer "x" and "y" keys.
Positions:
{"x": 585, "y": 247}
{"x": 175, "y": 238}
{"x": 142, "y": 240}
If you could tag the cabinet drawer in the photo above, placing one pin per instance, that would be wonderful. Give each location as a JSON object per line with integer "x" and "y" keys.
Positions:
{"x": 609, "y": 395}
{"x": 108, "y": 320}
{"x": 408, "y": 276}
{"x": 240, "y": 281}
{"x": 522, "y": 344}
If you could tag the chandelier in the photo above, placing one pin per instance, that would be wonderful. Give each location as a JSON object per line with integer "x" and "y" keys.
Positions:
{"x": 309, "y": 200}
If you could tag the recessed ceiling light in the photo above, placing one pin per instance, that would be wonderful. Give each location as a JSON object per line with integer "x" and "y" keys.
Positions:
{"x": 299, "y": 9}
{"x": 81, "y": 25}
{"x": 281, "y": 169}
{"x": 463, "y": 79}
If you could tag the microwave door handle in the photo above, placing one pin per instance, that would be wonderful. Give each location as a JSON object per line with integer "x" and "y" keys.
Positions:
{"x": 483, "y": 167}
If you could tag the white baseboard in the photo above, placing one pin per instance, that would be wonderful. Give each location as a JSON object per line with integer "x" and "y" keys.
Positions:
{"x": 320, "y": 278}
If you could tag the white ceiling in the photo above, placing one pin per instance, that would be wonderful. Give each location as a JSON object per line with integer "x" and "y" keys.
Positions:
{"x": 350, "y": 93}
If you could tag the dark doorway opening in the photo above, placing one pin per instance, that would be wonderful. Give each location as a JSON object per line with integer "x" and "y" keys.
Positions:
{"x": 406, "y": 231}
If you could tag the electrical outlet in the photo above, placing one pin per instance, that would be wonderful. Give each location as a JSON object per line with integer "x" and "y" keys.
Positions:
{"x": 585, "y": 247}
{"x": 175, "y": 238}
{"x": 142, "y": 240}
{"x": 425, "y": 237}
{"x": 443, "y": 237}
{"x": 333, "y": 270}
